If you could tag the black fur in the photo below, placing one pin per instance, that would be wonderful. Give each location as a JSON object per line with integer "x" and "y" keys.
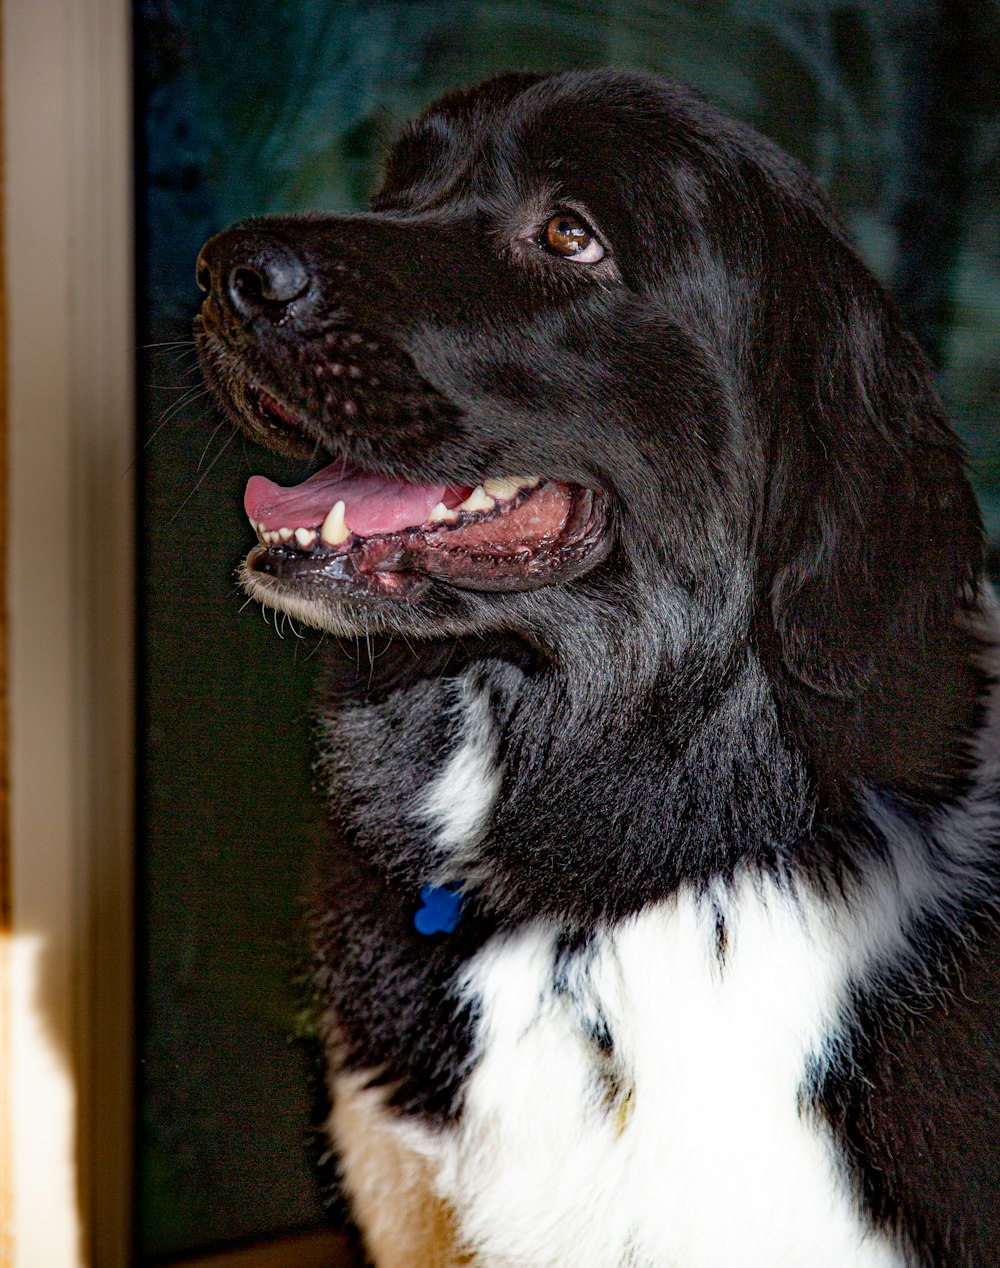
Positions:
{"x": 779, "y": 619}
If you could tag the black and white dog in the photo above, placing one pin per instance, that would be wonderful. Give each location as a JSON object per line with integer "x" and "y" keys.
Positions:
{"x": 659, "y": 922}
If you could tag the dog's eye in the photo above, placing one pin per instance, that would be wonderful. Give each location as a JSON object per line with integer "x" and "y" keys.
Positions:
{"x": 569, "y": 237}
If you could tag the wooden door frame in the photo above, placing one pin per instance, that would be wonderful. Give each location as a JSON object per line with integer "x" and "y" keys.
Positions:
{"x": 69, "y": 446}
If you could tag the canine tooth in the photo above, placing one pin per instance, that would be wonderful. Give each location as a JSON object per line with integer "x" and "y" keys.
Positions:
{"x": 478, "y": 501}
{"x": 285, "y": 534}
{"x": 335, "y": 531}
{"x": 507, "y": 486}
{"x": 305, "y": 537}
{"x": 441, "y": 514}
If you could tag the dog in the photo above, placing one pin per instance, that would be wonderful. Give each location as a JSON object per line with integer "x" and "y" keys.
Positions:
{"x": 656, "y": 923}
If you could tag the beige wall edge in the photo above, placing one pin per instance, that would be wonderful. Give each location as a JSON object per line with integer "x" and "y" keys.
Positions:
{"x": 68, "y": 253}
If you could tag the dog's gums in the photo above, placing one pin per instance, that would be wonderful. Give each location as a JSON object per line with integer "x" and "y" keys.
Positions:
{"x": 351, "y": 528}
{"x": 352, "y": 531}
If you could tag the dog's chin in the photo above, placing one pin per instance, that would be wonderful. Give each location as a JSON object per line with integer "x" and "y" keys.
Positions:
{"x": 327, "y": 610}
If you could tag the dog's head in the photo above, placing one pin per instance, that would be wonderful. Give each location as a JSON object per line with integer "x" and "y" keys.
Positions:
{"x": 599, "y": 369}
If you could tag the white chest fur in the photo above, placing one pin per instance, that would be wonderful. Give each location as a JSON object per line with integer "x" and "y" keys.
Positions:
{"x": 640, "y": 1105}
{"x": 700, "y": 1155}
{"x": 682, "y": 1143}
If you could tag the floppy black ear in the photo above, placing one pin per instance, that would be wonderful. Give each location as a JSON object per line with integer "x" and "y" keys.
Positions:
{"x": 877, "y": 537}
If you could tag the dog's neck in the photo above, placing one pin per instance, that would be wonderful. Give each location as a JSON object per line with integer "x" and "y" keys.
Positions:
{"x": 471, "y": 763}
{"x": 471, "y": 768}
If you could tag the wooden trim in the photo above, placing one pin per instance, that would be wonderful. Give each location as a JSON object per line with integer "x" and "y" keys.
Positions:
{"x": 6, "y": 1103}
{"x": 323, "y": 1249}
{"x": 5, "y": 889}
{"x": 68, "y": 238}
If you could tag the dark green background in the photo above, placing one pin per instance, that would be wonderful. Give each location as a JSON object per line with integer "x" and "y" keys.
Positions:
{"x": 262, "y": 107}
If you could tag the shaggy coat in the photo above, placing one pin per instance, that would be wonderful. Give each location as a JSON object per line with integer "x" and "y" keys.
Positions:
{"x": 684, "y": 714}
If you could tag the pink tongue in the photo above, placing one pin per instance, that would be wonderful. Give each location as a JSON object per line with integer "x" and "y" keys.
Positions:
{"x": 372, "y": 503}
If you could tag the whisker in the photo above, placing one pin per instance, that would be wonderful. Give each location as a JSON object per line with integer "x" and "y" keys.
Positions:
{"x": 316, "y": 645}
{"x": 208, "y": 444}
{"x": 156, "y": 386}
{"x": 192, "y": 394}
{"x": 193, "y": 422}
{"x": 201, "y": 480}
{"x": 371, "y": 659}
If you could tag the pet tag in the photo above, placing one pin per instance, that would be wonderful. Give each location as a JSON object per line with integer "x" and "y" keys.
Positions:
{"x": 441, "y": 910}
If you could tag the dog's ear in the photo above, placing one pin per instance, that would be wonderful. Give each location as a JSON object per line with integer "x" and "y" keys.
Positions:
{"x": 874, "y": 530}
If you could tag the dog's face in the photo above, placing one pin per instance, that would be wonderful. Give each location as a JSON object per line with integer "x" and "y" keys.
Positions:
{"x": 512, "y": 323}
{"x": 600, "y": 369}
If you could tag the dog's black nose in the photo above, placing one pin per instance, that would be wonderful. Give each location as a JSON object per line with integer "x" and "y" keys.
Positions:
{"x": 251, "y": 272}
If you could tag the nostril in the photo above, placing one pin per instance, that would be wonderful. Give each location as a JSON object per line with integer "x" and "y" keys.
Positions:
{"x": 246, "y": 286}
{"x": 272, "y": 280}
{"x": 252, "y": 274}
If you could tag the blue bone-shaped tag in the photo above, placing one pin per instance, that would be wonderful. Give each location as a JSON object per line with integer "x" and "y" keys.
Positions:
{"x": 441, "y": 910}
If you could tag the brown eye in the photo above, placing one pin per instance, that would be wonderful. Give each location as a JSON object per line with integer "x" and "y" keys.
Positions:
{"x": 569, "y": 237}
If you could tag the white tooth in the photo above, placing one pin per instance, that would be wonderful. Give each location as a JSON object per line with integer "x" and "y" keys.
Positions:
{"x": 270, "y": 537}
{"x": 477, "y": 501}
{"x": 305, "y": 537}
{"x": 285, "y": 534}
{"x": 441, "y": 514}
{"x": 507, "y": 486}
{"x": 335, "y": 531}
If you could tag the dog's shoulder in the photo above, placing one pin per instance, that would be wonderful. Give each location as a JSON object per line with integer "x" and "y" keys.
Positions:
{"x": 914, "y": 1097}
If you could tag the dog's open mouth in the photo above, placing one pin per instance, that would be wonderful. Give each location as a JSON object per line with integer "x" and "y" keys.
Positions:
{"x": 379, "y": 535}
